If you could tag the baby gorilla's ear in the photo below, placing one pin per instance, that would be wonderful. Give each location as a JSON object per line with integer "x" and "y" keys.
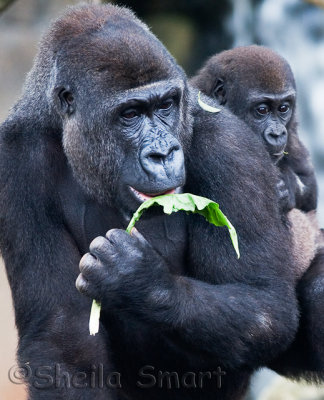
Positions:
{"x": 219, "y": 92}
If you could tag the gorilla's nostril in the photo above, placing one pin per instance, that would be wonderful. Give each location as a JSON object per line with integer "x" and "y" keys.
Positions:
{"x": 157, "y": 158}
{"x": 175, "y": 148}
{"x": 274, "y": 136}
{"x": 172, "y": 151}
{"x": 160, "y": 157}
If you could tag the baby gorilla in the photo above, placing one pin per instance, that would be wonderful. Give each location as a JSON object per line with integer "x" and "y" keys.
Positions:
{"x": 258, "y": 86}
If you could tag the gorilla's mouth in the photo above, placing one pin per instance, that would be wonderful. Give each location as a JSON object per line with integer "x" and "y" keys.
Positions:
{"x": 279, "y": 153}
{"x": 147, "y": 196}
{"x": 276, "y": 150}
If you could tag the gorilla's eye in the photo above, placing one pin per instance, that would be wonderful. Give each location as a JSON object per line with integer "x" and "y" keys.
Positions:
{"x": 166, "y": 104}
{"x": 283, "y": 108}
{"x": 129, "y": 114}
{"x": 262, "y": 109}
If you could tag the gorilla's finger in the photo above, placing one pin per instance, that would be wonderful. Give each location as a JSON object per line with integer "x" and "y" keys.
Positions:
{"x": 100, "y": 246}
{"x": 136, "y": 234}
{"x": 81, "y": 284}
{"x": 87, "y": 262}
{"x": 116, "y": 236}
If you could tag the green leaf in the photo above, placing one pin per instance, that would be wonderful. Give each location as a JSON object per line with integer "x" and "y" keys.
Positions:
{"x": 190, "y": 203}
{"x": 172, "y": 203}
{"x": 206, "y": 107}
{"x": 94, "y": 317}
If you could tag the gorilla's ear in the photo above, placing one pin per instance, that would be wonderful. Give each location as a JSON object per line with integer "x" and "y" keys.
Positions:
{"x": 66, "y": 101}
{"x": 219, "y": 92}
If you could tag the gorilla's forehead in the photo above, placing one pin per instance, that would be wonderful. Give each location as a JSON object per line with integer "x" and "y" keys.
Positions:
{"x": 155, "y": 90}
{"x": 110, "y": 43}
{"x": 122, "y": 65}
{"x": 130, "y": 74}
{"x": 259, "y": 94}
{"x": 253, "y": 66}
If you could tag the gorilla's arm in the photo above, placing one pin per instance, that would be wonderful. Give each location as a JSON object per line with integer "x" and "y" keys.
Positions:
{"x": 305, "y": 357}
{"x": 238, "y": 312}
{"x": 299, "y": 176}
{"x": 41, "y": 259}
{"x": 236, "y": 323}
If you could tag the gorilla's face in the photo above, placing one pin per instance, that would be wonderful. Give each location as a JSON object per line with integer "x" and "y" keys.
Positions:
{"x": 258, "y": 86}
{"x": 269, "y": 114}
{"x": 122, "y": 100}
{"x": 125, "y": 147}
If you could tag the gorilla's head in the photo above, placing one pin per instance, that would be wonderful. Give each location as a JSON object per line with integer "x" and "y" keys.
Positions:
{"x": 257, "y": 85}
{"x": 119, "y": 101}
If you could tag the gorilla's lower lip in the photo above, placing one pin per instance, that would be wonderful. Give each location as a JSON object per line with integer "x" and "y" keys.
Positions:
{"x": 147, "y": 196}
{"x": 280, "y": 153}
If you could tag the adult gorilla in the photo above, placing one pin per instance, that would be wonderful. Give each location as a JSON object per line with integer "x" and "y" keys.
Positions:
{"x": 100, "y": 127}
{"x": 71, "y": 159}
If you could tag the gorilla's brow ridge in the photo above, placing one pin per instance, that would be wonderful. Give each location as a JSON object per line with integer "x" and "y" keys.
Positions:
{"x": 258, "y": 95}
{"x": 166, "y": 85}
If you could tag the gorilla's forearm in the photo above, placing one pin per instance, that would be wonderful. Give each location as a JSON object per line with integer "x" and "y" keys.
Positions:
{"x": 306, "y": 196}
{"x": 55, "y": 348}
{"x": 235, "y": 324}
{"x": 305, "y": 357}
{"x": 304, "y": 180}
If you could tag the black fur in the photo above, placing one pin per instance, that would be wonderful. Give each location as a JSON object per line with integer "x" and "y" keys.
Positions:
{"x": 242, "y": 79}
{"x": 68, "y": 152}
{"x": 246, "y": 77}
{"x": 305, "y": 357}
{"x": 51, "y": 206}
{"x": 216, "y": 311}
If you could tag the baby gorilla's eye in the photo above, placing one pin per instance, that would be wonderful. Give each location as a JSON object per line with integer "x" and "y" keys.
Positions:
{"x": 262, "y": 109}
{"x": 166, "y": 104}
{"x": 283, "y": 108}
{"x": 129, "y": 114}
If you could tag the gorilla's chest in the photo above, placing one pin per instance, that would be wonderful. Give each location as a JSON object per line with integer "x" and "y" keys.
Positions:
{"x": 85, "y": 219}
{"x": 167, "y": 235}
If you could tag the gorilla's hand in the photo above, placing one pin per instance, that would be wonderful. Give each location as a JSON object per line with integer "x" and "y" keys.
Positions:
{"x": 122, "y": 270}
{"x": 286, "y": 201}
